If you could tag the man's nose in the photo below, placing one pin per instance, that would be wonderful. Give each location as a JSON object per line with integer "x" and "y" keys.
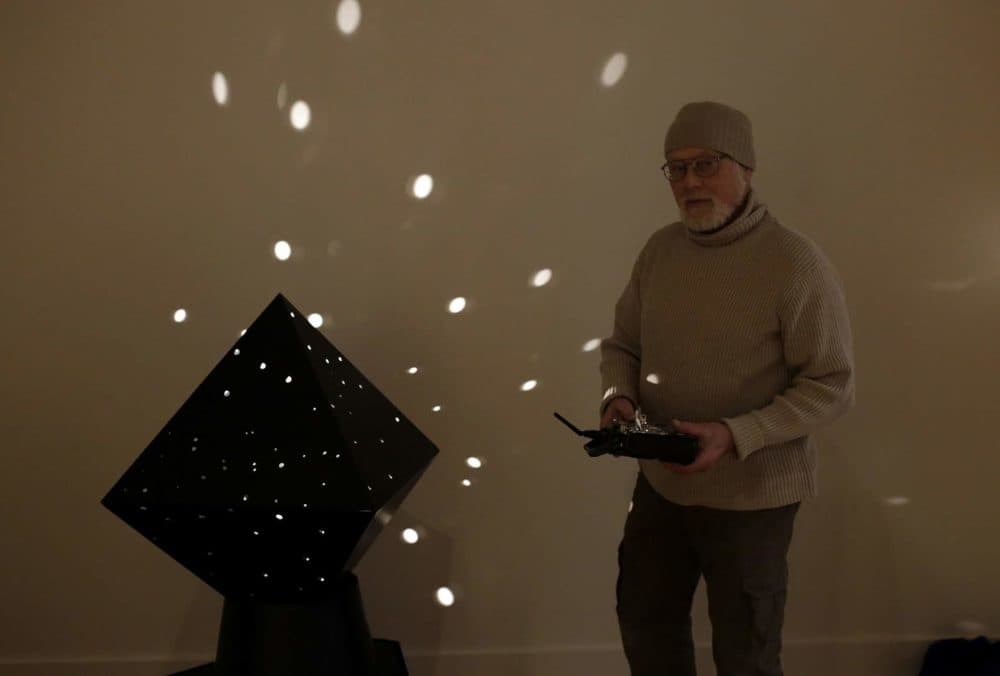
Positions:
{"x": 691, "y": 180}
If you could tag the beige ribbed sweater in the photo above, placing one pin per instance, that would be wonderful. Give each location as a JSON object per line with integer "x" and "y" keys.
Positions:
{"x": 746, "y": 326}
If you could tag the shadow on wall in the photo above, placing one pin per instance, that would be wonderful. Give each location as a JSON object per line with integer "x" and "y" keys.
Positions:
{"x": 199, "y": 631}
{"x": 399, "y": 581}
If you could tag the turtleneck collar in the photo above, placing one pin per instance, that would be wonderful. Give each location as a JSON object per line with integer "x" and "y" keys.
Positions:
{"x": 745, "y": 220}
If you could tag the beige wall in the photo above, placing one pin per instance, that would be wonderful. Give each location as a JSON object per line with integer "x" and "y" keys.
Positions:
{"x": 126, "y": 192}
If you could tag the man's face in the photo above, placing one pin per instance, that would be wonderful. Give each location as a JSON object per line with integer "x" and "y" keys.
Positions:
{"x": 707, "y": 203}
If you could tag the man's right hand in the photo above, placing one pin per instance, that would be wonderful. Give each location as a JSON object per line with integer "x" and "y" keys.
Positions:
{"x": 620, "y": 408}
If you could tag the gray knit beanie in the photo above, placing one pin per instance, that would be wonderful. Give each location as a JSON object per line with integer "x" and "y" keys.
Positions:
{"x": 715, "y": 126}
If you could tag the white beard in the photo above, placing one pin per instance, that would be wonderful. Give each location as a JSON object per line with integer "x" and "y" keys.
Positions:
{"x": 711, "y": 220}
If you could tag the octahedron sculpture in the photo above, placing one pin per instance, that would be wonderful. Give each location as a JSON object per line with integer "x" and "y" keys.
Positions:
{"x": 269, "y": 484}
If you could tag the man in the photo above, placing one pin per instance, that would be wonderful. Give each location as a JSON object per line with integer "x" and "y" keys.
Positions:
{"x": 734, "y": 329}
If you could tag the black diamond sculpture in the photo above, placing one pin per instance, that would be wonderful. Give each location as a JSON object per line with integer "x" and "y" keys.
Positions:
{"x": 269, "y": 484}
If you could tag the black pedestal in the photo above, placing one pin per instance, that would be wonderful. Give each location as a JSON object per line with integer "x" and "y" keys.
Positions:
{"x": 327, "y": 639}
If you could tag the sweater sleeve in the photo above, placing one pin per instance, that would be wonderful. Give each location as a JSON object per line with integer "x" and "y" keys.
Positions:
{"x": 621, "y": 353}
{"x": 817, "y": 345}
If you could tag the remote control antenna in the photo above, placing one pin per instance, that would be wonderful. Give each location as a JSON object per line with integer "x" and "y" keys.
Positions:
{"x": 570, "y": 425}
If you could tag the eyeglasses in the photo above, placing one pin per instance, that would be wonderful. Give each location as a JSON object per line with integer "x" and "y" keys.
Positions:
{"x": 704, "y": 167}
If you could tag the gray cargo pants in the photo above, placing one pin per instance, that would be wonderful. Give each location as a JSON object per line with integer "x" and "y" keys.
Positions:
{"x": 743, "y": 556}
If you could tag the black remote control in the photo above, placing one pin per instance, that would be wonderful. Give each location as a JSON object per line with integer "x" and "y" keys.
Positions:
{"x": 636, "y": 439}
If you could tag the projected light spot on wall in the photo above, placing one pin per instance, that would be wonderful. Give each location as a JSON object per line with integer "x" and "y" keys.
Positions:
{"x": 334, "y": 247}
{"x": 897, "y": 501}
{"x": 436, "y": 409}
{"x": 422, "y": 186}
{"x": 972, "y": 628}
{"x": 474, "y": 462}
{"x": 220, "y": 89}
{"x": 348, "y": 16}
{"x": 653, "y": 378}
{"x": 456, "y": 305}
{"x": 466, "y": 482}
{"x": 180, "y": 315}
{"x": 316, "y": 320}
{"x": 529, "y": 385}
{"x": 614, "y": 69}
{"x": 300, "y": 115}
{"x": 445, "y": 597}
{"x": 412, "y": 370}
{"x": 282, "y": 250}
{"x": 411, "y": 536}
{"x": 541, "y": 278}
{"x": 592, "y": 345}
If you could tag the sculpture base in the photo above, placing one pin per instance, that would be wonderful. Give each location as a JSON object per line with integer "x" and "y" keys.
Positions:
{"x": 328, "y": 639}
{"x": 389, "y": 661}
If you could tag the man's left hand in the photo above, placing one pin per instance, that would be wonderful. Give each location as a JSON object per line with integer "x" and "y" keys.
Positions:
{"x": 714, "y": 441}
